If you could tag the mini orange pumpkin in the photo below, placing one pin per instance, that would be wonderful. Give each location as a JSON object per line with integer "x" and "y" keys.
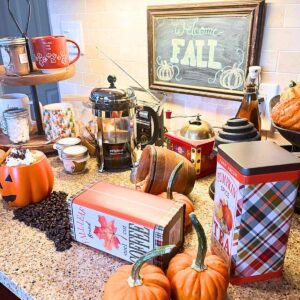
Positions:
{"x": 291, "y": 92}
{"x": 189, "y": 206}
{"x": 22, "y": 185}
{"x": 194, "y": 275}
{"x": 140, "y": 281}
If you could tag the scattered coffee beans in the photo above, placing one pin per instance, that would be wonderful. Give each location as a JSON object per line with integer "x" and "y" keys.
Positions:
{"x": 50, "y": 216}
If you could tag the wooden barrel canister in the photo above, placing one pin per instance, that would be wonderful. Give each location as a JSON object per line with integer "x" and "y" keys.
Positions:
{"x": 155, "y": 167}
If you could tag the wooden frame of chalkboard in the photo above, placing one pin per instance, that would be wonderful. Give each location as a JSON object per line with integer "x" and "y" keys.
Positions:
{"x": 204, "y": 49}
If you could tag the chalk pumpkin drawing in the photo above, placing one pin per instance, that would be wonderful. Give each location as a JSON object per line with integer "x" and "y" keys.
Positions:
{"x": 231, "y": 78}
{"x": 166, "y": 70}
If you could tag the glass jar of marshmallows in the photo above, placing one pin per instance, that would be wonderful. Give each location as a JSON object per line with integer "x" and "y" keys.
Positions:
{"x": 17, "y": 124}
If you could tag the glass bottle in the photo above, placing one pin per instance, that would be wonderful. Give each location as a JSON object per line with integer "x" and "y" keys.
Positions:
{"x": 249, "y": 108}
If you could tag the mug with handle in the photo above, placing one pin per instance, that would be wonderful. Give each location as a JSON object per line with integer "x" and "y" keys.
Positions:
{"x": 14, "y": 100}
{"x": 51, "y": 52}
{"x": 59, "y": 121}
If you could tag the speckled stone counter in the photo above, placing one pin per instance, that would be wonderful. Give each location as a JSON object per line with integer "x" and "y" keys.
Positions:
{"x": 32, "y": 269}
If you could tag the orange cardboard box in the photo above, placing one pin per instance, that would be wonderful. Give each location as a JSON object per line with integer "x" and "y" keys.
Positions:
{"x": 126, "y": 223}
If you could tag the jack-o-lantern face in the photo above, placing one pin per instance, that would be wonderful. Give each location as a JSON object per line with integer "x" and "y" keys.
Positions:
{"x": 20, "y": 186}
{"x": 8, "y": 198}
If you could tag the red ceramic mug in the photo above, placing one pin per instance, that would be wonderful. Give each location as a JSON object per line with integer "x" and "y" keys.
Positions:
{"x": 51, "y": 52}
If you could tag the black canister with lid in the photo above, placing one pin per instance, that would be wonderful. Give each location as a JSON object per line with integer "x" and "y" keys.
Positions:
{"x": 235, "y": 130}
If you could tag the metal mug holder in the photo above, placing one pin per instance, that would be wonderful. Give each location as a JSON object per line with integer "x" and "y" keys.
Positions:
{"x": 33, "y": 88}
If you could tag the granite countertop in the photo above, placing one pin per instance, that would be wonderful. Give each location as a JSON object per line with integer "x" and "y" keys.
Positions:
{"x": 32, "y": 269}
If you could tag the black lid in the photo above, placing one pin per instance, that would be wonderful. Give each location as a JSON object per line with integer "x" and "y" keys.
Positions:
{"x": 112, "y": 99}
{"x": 237, "y": 125}
{"x": 259, "y": 157}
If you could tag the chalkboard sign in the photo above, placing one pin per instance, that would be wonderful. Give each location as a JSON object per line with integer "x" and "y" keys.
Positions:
{"x": 204, "y": 49}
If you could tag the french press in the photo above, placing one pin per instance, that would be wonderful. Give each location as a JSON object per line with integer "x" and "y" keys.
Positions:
{"x": 115, "y": 110}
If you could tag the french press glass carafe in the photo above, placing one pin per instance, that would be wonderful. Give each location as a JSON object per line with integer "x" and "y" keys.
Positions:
{"x": 115, "y": 112}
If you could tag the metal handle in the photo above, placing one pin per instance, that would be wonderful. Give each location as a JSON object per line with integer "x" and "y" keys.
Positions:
{"x": 99, "y": 153}
{"x": 154, "y": 117}
{"x": 24, "y": 33}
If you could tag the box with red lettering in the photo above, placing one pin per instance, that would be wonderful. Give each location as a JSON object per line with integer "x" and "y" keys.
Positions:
{"x": 126, "y": 223}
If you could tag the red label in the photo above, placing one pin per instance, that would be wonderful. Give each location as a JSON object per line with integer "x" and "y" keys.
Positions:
{"x": 226, "y": 195}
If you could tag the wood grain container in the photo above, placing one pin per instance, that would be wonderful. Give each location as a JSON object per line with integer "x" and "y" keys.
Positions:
{"x": 155, "y": 167}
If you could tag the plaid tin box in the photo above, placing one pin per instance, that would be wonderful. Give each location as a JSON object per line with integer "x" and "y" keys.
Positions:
{"x": 255, "y": 192}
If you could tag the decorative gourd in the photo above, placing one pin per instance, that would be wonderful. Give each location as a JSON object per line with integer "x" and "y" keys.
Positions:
{"x": 194, "y": 275}
{"x": 154, "y": 170}
{"x": 189, "y": 206}
{"x": 286, "y": 114}
{"x": 22, "y": 185}
{"x": 291, "y": 92}
{"x": 141, "y": 281}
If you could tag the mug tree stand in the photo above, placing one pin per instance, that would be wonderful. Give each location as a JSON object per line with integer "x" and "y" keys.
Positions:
{"x": 36, "y": 77}
{"x": 37, "y": 139}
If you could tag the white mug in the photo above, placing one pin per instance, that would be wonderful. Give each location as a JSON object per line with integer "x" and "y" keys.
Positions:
{"x": 14, "y": 100}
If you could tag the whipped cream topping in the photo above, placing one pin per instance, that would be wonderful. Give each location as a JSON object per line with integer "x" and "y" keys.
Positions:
{"x": 21, "y": 157}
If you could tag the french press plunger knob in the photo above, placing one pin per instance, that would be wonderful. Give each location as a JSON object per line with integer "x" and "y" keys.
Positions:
{"x": 112, "y": 79}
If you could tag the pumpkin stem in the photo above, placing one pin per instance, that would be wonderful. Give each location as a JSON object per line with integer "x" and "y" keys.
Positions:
{"x": 135, "y": 279}
{"x": 198, "y": 264}
{"x": 172, "y": 180}
{"x": 292, "y": 84}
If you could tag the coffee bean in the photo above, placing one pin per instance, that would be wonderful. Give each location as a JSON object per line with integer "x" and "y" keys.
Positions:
{"x": 50, "y": 216}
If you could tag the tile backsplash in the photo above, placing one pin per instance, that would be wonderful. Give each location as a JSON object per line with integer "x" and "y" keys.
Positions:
{"x": 119, "y": 28}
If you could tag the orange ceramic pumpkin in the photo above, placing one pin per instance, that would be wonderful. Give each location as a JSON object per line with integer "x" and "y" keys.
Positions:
{"x": 141, "y": 281}
{"x": 189, "y": 206}
{"x": 194, "y": 275}
{"x": 22, "y": 185}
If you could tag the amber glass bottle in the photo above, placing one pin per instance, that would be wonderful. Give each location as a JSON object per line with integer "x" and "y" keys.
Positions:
{"x": 249, "y": 106}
